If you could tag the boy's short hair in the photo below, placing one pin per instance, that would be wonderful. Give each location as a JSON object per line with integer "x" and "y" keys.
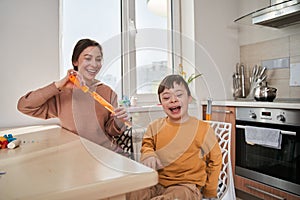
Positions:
{"x": 168, "y": 83}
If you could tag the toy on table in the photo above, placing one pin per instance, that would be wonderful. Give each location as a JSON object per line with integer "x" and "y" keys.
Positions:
{"x": 96, "y": 96}
{"x": 3, "y": 142}
{"x": 13, "y": 144}
{"x": 8, "y": 141}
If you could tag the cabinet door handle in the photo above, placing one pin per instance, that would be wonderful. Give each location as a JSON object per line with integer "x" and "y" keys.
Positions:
{"x": 222, "y": 111}
{"x": 264, "y": 192}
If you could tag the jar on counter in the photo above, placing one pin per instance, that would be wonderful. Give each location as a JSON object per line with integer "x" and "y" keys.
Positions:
{"x": 133, "y": 101}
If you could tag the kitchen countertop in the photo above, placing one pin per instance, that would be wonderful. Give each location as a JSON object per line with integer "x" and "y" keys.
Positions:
{"x": 279, "y": 103}
{"x": 153, "y": 108}
{"x": 57, "y": 164}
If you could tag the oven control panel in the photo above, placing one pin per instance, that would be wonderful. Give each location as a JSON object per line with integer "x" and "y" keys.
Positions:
{"x": 268, "y": 115}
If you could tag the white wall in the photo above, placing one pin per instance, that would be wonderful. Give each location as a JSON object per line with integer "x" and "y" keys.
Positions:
{"x": 29, "y": 53}
{"x": 217, "y": 50}
{"x": 29, "y": 39}
{"x": 188, "y": 36}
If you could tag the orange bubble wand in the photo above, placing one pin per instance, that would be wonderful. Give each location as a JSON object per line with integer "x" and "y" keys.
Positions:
{"x": 96, "y": 96}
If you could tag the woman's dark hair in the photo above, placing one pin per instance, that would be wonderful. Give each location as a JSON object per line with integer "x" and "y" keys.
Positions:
{"x": 168, "y": 82}
{"x": 81, "y": 46}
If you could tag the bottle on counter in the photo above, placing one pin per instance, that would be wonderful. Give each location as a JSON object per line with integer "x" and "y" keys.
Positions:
{"x": 133, "y": 101}
{"x": 208, "y": 109}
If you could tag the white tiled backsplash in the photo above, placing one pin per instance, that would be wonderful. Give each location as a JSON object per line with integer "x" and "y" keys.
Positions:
{"x": 254, "y": 54}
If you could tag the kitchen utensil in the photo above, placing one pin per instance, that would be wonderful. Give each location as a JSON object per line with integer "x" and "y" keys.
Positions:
{"x": 237, "y": 68}
{"x": 265, "y": 93}
{"x": 239, "y": 81}
{"x": 252, "y": 74}
{"x": 236, "y": 85}
{"x": 262, "y": 71}
{"x": 258, "y": 76}
{"x": 243, "y": 81}
{"x": 256, "y": 72}
{"x": 261, "y": 79}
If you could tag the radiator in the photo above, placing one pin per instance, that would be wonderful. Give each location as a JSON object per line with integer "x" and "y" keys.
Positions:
{"x": 137, "y": 137}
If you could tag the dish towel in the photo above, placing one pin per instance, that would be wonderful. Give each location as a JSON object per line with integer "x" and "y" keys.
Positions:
{"x": 267, "y": 137}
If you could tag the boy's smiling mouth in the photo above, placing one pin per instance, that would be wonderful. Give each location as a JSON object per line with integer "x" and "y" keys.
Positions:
{"x": 175, "y": 109}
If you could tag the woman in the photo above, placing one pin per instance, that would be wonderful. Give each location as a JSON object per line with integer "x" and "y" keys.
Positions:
{"x": 78, "y": 111}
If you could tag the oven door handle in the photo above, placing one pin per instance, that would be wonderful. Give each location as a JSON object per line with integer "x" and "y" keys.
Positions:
{"x": 281, "y": 131}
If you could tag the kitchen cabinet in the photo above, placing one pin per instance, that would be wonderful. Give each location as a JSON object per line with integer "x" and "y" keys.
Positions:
{"x": 224, "y": 114}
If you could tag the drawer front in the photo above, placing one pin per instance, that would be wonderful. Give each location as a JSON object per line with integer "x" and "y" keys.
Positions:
{"x": 262, "y": 191}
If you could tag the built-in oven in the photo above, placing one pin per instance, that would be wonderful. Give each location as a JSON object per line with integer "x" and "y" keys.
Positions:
{"x": 278, "y": 167}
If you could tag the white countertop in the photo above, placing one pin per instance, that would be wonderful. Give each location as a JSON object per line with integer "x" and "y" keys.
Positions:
{"x": 287, "y": 104}
{"x": 57, "y": 164}
{"x": 252, "y": 103}
{"x": 152, "y": 108}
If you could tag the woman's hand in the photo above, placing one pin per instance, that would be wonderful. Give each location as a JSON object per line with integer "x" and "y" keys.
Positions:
{"x": 153, "y": 163}
{"x": 121, "y": 116}
{"x": 65, "y": 82}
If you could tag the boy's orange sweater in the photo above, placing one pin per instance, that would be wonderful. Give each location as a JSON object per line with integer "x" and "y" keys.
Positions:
{"x": 189, "y": 153}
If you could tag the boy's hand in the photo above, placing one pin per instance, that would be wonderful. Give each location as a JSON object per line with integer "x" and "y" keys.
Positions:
{"x": 153, "y": 163}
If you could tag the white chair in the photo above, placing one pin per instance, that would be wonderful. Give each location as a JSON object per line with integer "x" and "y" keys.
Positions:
{"x": 226, "y": 185}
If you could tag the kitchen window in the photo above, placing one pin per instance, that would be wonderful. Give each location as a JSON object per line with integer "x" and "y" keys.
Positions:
{"x": 137, "y": 42}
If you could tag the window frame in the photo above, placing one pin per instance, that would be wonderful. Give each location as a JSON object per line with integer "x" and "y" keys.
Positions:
{"x": 129, "y": 59}
{"x": 128, "y": 56}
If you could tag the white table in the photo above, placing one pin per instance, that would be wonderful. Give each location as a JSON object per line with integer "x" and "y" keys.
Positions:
{"x": 57, "y": 164}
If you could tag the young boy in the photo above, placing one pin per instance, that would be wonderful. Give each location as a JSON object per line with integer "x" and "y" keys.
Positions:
{"x": 183, "y": 149}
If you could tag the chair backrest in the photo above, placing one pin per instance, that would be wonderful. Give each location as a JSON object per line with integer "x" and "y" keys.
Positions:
{"x": 226, "y": 184}
{"x": 125, "y": 142}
